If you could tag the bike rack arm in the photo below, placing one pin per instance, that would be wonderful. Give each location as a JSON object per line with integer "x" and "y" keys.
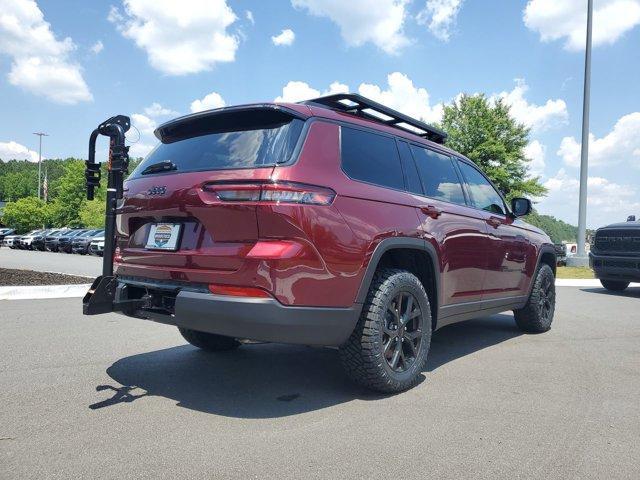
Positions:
{"x": 100, "y": 297}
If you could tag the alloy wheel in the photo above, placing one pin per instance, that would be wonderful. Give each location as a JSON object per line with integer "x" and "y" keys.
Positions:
{"x": 402, "y": 332}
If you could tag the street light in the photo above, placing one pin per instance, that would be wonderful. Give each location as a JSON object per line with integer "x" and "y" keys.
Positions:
{"x": 40, "y": 134}
{"x": 581, "y": 258}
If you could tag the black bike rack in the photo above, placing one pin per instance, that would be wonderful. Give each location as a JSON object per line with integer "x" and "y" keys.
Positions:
{"x": 101, "y": 295}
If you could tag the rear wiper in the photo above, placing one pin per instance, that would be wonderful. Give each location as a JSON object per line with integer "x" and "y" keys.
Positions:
{"x": 163, "y": 166}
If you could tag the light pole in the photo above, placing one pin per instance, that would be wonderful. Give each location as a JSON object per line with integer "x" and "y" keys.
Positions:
{"x": 40, "y": 134}
{"x": 581, "y": 258}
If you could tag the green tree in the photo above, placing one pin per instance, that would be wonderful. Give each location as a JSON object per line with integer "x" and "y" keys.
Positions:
{"x": 92, "y": 212}
{"x": 485, "y": 132}
{"x": 19, "y": 184}
{"x": 25, "y": 214}
{"x": 558, "y": 230}
{"x": 70, "y": 195}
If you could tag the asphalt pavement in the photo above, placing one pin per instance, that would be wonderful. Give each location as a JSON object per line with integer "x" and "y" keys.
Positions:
{"x": 113, "y": 397}
{"x": 85, "y": 265}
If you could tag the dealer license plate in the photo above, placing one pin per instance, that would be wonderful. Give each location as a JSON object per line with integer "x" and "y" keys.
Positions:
{"x": 164, "y": 236}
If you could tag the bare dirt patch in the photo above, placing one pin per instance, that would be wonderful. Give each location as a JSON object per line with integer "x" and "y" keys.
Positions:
{"x": 13, "y": 277}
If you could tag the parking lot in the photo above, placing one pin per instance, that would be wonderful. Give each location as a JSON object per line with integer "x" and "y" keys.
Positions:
{"x": 85, "y": 265}
{"x": 112, "y": 397}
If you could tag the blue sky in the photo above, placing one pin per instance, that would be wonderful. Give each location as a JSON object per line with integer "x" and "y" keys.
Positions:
{"x": 67, "y": 65}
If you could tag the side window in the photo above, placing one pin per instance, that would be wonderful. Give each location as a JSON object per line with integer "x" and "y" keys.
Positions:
{"x": 409, "y": 167}
{"x": 438, "y": 175}
{"x": 371, "y": 158}
{"x": 482, "y": 193}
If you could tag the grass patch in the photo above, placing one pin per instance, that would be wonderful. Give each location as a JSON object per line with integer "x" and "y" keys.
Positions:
{"x": 574, "y": 272}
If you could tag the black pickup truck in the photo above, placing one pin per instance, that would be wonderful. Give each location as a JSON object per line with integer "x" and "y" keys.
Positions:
{"x": 615, "y": 254}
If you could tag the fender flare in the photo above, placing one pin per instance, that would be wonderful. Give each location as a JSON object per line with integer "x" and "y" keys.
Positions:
{"x": 397, "y": 243}
{"x": 546, "y": 248}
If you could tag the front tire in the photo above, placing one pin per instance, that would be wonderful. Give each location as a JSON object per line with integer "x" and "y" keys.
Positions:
{"x": 209, "y": 341}
{"x": 537, "y": 315}
{"x": 614, "y": 285}
{"x": 388, "y": 348}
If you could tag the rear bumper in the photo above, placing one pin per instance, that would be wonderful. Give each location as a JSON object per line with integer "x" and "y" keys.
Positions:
{"x": 252, "y": 318}
{"x": 611, "y": 267}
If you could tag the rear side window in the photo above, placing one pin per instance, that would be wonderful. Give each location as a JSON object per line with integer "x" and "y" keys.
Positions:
{"x": 261, "y": 144}
{"x": 371, "y": 158}
{"x": 438, "y": 174}
{"x": 411, "y": 176}
{"x": 482, "y": 193}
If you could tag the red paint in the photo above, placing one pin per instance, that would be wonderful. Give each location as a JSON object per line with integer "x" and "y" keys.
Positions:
{"x": 316, "y": 255}
{"x": 234, "y": 291}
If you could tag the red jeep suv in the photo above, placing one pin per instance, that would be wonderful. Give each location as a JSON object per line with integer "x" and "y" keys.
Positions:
{"x": 335, "y": 222}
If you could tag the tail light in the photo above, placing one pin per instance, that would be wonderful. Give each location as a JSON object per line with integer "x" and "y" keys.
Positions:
{"x": 283, "y": 192}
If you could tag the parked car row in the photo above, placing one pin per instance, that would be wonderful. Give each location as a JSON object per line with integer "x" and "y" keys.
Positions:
{"x": 69, "y": 240}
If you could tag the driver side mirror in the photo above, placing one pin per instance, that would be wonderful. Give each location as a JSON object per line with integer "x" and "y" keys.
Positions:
{"x": 520, "y": 207}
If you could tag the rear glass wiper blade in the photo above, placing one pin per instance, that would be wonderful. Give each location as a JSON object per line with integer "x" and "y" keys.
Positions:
{"x": 163, "y": 166}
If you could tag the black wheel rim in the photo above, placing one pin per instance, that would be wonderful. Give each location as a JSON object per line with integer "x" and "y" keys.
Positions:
{"x": 402, "y": 332}
{"x": 546, "y": 297}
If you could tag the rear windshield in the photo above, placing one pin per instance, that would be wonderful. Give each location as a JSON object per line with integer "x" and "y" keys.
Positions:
{"x": 250, "y": 147}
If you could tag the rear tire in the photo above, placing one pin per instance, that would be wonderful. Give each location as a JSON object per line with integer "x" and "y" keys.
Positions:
{"x": 388, "y": 348}
{"x": 536, "y": 316}
{"x": 614, "y": 285}
{"x": 209, "y": 341}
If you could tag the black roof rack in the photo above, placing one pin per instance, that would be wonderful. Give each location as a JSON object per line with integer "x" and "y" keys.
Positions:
{"x": 364, "y": 107}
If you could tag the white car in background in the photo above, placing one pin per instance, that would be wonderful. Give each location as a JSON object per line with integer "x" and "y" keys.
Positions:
{"x": 10, "y": 241}
{"x": 27, "y": 240}
{"x": 96, "y": 247}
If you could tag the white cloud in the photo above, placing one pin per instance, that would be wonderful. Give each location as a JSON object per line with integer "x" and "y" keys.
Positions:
{"x": 286, "y": 37}
{"x": 210, "y": 101}
{"x": 621, "y": 145}
{"x": 296, "y": 91}
{"x": 97, "y": 47}
{"x": 249, "y": 15}
{"x": 440, "y": 17}
{"x": 156, "y": 110}
{"x": 15, "y": 151}
{"x": 536, "y": 153}
{"x": 144, "y": 126}
{"x": 567, "y": 20}
{"x": 404, "y": 96}
{"x": 607, "y": 201}
{"x": 400, "y": 94}
{"x": 41, "y": 63}
{"x": 536, "y": 117}
{"x": 380, "y": 22}
{"x": 141, "y": 138}
{"x": 180, "y": 38}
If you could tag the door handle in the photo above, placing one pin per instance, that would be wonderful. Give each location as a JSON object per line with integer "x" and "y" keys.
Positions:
{"x": 494, "y": 222}
{"x": 431, "y": 211}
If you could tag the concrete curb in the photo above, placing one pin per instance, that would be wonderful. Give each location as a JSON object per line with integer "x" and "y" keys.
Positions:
{"x": 36, "y": 292}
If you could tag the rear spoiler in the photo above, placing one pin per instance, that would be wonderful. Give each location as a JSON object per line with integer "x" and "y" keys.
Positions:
{"x": 242, "y": 117}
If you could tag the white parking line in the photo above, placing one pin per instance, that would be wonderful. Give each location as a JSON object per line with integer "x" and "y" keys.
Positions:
{"x": 583, "y": 282}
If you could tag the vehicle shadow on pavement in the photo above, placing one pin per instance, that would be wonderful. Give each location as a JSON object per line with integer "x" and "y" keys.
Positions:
{"x": 273, "y": 380}
{"x": 461, "y": 339}
{"x": 631, "y": 292}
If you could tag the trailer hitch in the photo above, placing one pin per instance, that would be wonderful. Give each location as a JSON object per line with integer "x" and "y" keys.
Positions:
{"x": 100, "y": 297}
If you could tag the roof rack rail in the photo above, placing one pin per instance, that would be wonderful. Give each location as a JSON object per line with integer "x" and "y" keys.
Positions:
{"x": 364, "y": 107}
